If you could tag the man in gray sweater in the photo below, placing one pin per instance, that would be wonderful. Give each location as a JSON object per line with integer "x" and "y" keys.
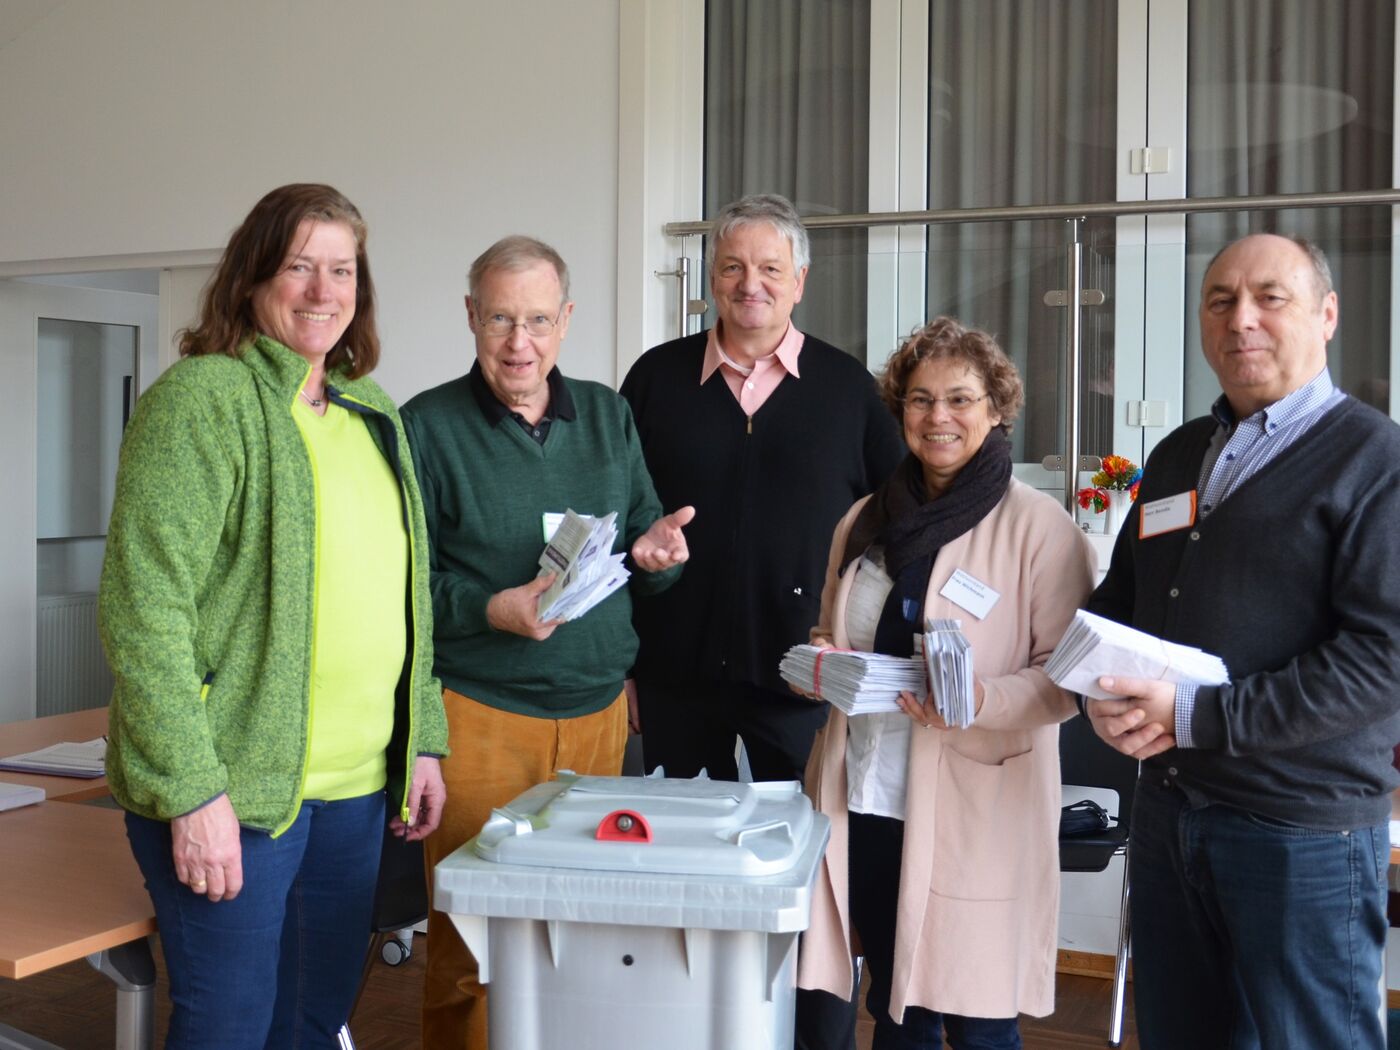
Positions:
{"x": 1265, "y": 532}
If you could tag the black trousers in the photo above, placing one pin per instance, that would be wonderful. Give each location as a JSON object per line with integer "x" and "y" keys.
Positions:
{"x": 687, "y": 727}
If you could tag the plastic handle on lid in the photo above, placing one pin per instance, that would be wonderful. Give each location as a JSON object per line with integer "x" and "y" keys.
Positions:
{"x": 623, "y": 825}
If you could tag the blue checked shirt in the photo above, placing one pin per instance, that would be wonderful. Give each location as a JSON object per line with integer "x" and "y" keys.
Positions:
{"x": 1238, "y": 450}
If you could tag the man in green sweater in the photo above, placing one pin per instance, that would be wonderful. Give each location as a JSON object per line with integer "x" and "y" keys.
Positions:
{"x": 501, "y": 453}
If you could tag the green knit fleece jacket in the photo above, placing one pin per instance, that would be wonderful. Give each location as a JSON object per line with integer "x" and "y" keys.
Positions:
{"x": 208, "y": 591}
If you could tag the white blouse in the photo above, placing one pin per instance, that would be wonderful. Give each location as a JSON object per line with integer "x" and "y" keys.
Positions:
{"x": 877, "y": 746}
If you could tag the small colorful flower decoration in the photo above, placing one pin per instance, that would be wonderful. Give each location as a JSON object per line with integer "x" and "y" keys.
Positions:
{"x": 1118, "y": 474}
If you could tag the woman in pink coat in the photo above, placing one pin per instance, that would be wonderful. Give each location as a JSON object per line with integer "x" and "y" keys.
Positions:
{"x": 943, "y": 868}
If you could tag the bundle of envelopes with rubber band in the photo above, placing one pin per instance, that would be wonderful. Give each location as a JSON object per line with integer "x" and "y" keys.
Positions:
{"x": 858, "y": 683}
{"x": 861, "y": 683}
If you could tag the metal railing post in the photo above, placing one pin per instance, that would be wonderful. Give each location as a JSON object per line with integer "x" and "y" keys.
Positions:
{"x": 1074, "y": 287}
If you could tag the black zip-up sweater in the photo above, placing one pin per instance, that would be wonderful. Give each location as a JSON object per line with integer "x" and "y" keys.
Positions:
{"x": 768, "y": 492}
{"x": 1295, "y": 582}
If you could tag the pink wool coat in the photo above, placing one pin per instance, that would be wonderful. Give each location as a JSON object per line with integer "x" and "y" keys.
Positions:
{"x": 979, "y": 882}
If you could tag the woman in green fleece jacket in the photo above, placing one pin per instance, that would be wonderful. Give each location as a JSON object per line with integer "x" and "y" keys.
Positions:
{"x": 265, "y": 610}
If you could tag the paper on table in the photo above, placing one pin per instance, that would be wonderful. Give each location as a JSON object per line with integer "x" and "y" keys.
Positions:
{"x": 82, "y": 760}
{"x": 12, "y": 796}
{"x": 1093, "y": 646}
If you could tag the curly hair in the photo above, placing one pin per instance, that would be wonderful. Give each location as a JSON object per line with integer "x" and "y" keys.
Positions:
{"x": 944, "y": 338}
{"x": 256, "y": 253}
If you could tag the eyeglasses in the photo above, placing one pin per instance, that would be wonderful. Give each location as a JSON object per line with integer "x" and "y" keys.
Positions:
{"x": 957, "y": 404}
{"x": 499, "y": 324}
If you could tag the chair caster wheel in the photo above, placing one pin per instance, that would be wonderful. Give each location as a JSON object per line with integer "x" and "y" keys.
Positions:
{"x": 394, "y": 952}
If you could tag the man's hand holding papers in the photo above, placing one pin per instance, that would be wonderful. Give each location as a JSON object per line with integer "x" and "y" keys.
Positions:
{"x": 1141, "y": 724}
{"x": 517, "y": 610}
{"x": 578, "y": 560}
{"x": 1129, "y": 680}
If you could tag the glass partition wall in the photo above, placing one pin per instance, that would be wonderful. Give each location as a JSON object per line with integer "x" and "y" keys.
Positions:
{"x": 908, "y": 105}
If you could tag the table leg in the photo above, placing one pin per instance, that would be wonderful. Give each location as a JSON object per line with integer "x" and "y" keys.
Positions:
{"x": 131, "y": 968}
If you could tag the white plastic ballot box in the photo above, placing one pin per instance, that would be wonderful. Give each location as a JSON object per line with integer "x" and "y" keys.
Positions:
{"x": 634, "y": 913}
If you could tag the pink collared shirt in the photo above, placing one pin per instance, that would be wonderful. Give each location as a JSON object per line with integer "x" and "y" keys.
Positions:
{"x": 751, "y": 387}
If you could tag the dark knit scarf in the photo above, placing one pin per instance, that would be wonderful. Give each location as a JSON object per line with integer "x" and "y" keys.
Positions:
{"x": 912, "y": 528}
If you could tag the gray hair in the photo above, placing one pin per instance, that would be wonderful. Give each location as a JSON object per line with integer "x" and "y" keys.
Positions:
{"x": 517, "y": 253}
{"x": 777, "y": 211}
{"x": 1322, "y": 271}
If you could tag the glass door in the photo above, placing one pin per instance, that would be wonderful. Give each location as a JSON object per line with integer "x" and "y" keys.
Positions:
{"x": 74, "y": 359}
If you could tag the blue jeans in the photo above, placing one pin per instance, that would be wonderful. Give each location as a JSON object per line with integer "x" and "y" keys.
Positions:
{"x": 876, "y": 846}
{"x": 278, "y": 965}
{"x": 1251, "y": 933}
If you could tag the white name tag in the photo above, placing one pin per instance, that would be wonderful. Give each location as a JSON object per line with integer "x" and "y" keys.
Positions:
{"x": 968, "y": 592}
{"x": 552, "y": 522}
{"x": 1167, "y": 515}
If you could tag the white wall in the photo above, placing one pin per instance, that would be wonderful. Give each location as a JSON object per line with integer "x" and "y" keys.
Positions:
{"x": 149, "y": 126}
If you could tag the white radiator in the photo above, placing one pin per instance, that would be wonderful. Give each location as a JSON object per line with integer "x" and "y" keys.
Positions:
{"x": 72, "y": 671}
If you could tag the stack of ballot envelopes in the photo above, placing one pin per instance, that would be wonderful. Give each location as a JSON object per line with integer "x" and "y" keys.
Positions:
{"x": 1093, "y": 646}
{"x": 579, "y": 553}
{"x": 861, "y": 683}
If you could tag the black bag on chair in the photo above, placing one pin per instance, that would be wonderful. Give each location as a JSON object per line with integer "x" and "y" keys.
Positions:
{"x": 1085, "y": 817}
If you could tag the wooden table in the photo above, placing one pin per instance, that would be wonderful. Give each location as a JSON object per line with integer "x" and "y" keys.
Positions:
{"x": 70, "y": 889}
{"x": 17, "y": 738}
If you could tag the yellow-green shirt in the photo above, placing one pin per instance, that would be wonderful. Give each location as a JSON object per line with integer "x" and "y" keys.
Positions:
{"x": 359, "y": 639}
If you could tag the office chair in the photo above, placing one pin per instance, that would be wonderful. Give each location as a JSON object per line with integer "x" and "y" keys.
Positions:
{"x": 1087, "y": 761}
{"x": 400, "y": 901}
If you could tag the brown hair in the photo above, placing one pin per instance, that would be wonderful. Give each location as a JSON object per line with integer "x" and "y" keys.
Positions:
{"x": 945, "y": 338}
{"x": 256, "y": 253}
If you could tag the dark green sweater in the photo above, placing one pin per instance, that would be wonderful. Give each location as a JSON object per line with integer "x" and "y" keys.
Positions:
{"x": 486, "y": 488}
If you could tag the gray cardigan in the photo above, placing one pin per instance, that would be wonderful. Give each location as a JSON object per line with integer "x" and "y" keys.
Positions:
{"x": 1295, "y": 582}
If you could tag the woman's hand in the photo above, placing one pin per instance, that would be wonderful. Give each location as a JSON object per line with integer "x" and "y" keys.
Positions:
{"x": 426, "y": 796}
{"x": 924, "y": 712}
{"x": 207, "y": 851}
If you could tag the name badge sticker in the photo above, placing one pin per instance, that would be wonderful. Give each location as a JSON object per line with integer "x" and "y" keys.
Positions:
{"x": 1167, "y": 515}
{"x": 968, "y": 592}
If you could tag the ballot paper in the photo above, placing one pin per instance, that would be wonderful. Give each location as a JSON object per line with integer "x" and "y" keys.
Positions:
{"x": 948, "y": 658}
{"x": 12, "y": 796}
{"x": 857, "y": 683}
{"x": 586, "y": 571}
{"x": 1093, "y": 647}
{"x": 82, "y": 760}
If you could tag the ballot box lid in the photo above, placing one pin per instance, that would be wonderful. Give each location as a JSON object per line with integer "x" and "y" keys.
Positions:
{"x": 648, "y": 850}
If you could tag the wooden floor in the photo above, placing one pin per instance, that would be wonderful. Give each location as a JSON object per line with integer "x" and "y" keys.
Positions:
{"x": 74, "y": 1007}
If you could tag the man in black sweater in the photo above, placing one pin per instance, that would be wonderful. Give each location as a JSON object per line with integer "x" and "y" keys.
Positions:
{"x": 771, "y": 435}
{"x": 1266, "y": 533}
